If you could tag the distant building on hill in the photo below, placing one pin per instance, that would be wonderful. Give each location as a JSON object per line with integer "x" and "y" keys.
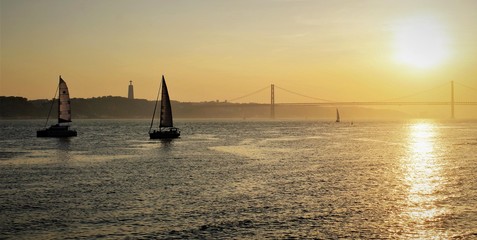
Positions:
{"x": 130, "y": 91}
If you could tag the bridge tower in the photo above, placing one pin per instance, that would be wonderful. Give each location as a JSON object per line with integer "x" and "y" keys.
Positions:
{"x": 272, "y": 102}
{"x": 452, "y": 100}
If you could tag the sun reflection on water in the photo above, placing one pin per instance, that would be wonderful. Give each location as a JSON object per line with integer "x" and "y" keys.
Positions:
{"x": 423, "y": 176}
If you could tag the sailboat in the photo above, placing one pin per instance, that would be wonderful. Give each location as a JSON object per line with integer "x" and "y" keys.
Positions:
{"x": 166, "y": 128}
{"x": 61, "y": 129}
{"x": 337, "y": 116}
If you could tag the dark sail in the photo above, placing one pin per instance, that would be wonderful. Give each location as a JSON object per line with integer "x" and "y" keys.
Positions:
{"x": 166, "y": 110}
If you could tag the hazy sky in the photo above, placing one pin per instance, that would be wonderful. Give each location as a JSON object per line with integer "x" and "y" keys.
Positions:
{"x": 209, "y": 50}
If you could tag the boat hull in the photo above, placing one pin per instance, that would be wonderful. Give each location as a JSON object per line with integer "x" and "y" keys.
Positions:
{"x": 165, "y": 134}
{"x": 57, "y": 132}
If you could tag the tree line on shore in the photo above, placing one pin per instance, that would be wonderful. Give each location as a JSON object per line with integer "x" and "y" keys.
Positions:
{"x": 120, "y": 107}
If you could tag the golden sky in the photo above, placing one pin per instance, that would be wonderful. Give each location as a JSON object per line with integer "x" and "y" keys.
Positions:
{"x": 219, "y": 50}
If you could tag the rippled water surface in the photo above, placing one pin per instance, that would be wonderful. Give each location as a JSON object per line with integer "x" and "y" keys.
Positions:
{"x": 241, "y": 180}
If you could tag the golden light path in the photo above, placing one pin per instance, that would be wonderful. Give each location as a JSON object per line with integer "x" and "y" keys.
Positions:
{"x": 423, "y": 175}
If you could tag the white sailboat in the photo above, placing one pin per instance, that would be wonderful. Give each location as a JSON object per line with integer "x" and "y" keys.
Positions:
{"x": 337, "y": 116}
{"x": 166, "y": 127}
{"x": 61, "y": 129}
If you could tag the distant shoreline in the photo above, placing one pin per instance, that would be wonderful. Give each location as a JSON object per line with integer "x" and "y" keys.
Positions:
{"x": 113, "y": 107}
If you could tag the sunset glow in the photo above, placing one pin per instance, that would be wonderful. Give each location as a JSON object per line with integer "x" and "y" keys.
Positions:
{"x": 421, "y": 42}
{"x": 238, "y": 119}
{"x": 214, "y": 50}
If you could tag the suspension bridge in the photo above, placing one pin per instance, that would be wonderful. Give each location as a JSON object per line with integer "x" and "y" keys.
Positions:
{"x": 389, "y": 102}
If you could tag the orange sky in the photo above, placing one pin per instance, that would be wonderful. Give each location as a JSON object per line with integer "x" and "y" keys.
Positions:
{"x": 220, "y": 50}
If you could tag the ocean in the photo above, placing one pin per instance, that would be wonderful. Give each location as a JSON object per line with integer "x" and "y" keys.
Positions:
{"x": 241, "y": 179}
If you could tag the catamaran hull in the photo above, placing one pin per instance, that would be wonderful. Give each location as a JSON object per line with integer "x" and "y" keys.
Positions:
{"x": 57, "y": 133}
{"x": 164, "y": 134}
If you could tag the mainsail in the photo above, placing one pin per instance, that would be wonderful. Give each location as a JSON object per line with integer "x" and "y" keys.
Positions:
{"x": 166, "y": 110}
{"x": 166, "y": 128}
{"x": 64, "y": 115}
{"x": 337, "y": 115}
{"x": 64, "y": 105}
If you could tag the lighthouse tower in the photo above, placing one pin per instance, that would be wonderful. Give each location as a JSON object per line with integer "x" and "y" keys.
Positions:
{"x": 130, "y": 91}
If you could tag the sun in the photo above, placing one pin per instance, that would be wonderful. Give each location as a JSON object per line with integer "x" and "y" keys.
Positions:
{"x": 421, "y": 42}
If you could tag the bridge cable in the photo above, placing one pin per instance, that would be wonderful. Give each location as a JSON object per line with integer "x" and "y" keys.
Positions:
{"x": 302, "y": 95}
{"x": 414, "y": 94}
{"x": 250, "y": 94}
{"x": 466, "y": 86}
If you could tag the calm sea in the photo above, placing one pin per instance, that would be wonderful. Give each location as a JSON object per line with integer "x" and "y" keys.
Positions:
{"x": 241, "y": 180}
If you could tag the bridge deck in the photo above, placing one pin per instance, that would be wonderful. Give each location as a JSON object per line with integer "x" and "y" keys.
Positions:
{"x": 378, "y": 103}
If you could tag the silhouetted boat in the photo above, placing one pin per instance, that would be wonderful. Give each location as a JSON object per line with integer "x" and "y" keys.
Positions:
{"x": 166, "y": 128}
{"x": 337, "y": 116}
{"x": 61, "y": 129}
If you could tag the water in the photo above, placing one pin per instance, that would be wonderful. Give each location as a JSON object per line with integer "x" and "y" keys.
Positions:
{"x": 241, "y": 180}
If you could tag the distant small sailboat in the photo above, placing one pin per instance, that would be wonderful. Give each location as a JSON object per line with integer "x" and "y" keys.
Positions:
{"x": 166, "y": 128}
{"x": 61, "y": 129}
{"x": 337, "y": 116}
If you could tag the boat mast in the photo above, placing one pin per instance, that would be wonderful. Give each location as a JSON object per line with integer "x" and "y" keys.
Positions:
{"x": 155, "y": 106}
